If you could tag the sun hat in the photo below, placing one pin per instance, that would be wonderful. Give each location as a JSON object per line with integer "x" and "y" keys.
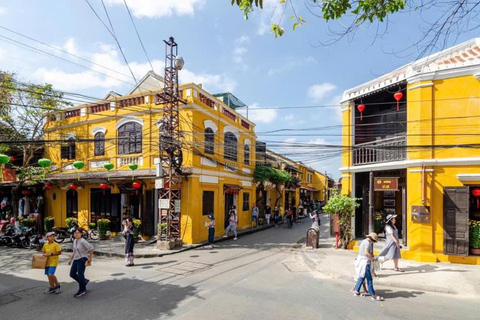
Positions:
{"x": 211, "y": 217}
{"x": 50, "y": 234}
{"x": 390, "y": 217}
{"x": 373, "y": 236}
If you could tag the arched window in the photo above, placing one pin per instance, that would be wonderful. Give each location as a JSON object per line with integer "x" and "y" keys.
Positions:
{"x": 130, "y": 138}
{"x": 230, "y": 146}
{"x": 99, "y": 144}
{"x": 209, "y": 141}
{"x": 246, "y": 154}
{"x": 68, "y": 149}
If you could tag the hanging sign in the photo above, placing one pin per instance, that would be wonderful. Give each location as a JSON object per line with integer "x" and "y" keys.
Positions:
{"x": 385, "y": 184}
{"x": 177, "y": 205}
{"x": 163, "y": 203}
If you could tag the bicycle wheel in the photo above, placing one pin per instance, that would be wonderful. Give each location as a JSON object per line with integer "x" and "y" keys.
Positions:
{"x": 59, "y": 238}
{"x": 93, "y": 235}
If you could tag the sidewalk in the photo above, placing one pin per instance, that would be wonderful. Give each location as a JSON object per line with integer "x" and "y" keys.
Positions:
{"x": 115, "y": 247}
{"x": 329, "y": 262}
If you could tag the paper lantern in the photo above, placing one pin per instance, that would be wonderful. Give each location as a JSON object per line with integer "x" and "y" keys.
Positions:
{"x": 133, "y": 167}
{"x": 476, "y": 194}
{"x": 26, "y": 192}
{"x": 137, "y": 185}
{"x": 109, "y": 166}
{"x": 4, "y": 159}
{"x": 45, "y": 163}
{"x": 79, "y": 165}
{"x": 73, "y": 187}
{"x": 398, "y": 96}
{"x": 361, "y": 108}
{"x": 104, "y": 186}
{"x": 48, "y": 187}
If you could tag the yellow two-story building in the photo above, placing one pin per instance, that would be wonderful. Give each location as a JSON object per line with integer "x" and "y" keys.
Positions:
{"x": 120, "y": 131}
{"x": 411, "y": 148}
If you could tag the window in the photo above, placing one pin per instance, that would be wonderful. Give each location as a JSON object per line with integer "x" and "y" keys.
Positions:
{"x": 68, "y": 149}
{"x": 246, "y": 201}
{"x": 130, "y": 138}
{"x": 99, "y": 144}
{"x": 230, "y": 146}
{"x": 208, "y": 202}
{"x": 209, "y": 141}
{"x": 246, "y": 154}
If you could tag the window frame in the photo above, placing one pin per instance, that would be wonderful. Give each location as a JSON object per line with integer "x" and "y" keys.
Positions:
{"x": 130, "y": 141}
{"x": 99, "y": 144}
{"x": 246, "y": 202}
{"x": 68, "y": 151}
{"x": 209, "y": 141}
{"x": 230, "y": 149}
{"x": 208, "y": 205}
{"x": 246, "y": 154}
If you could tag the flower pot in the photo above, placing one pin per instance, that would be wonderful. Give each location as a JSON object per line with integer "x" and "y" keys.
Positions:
{"x": 474, "y": 251}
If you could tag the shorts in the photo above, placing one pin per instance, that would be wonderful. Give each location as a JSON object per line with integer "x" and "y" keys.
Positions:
{"x": 50, "y": 271}
{"x": 254, "y": 218}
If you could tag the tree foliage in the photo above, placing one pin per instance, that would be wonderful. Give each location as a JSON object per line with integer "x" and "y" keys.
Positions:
{"x": 344, "y": 206}
{"x": 275, "y": 176}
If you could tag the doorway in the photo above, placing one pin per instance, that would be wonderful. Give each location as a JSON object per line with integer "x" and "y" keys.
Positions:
{"x": 229, "y": 203}
{"x": 72, "y": 204}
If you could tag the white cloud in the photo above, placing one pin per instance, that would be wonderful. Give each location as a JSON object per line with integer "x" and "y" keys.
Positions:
{"x": 221, "y": 82}
{"x": 335, "y": 103}
{"x": 70, "y": 46}
{"x": 243, "y": 39}
{"x": 289, "y": 117}
{"x": 317, "y": 92}
{"x": 2, "y": 10}
{"x": 238, "y": 53}
{"x": 160, "y": 8}
{"x": 259, "y": 115}
{"x": 240, "y": 50}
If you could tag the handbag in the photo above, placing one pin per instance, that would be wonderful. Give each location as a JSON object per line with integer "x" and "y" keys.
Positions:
{"x": 88, "y": 263}
{"x": 39, "y": 261}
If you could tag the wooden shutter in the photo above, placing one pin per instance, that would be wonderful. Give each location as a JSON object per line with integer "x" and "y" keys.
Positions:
{"x": 455, "y": 220}
{"x": 64, "y": 152}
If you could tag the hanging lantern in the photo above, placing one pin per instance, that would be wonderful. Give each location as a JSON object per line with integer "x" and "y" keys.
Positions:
{"x": 476, "y": 194}
{"x": 360, "y": 108}
{"x": 26, "y": 192}
{"x": 45, "y": 163}
{"x": 104, "y": 186}
{"x": 4, "y": 159}
{"x": 73, "y": 187}
{"x": 108, "y": 166}
{"x": 133, "y": 167}
{"x": 398, "y": 96}
{"x": 79, "y": 165}
{"x": 137, "y": 185}
{"x": 48, "y": 187}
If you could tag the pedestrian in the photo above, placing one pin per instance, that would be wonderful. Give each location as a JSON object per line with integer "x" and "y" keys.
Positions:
{"x": 255, "y": 215}
{"x": 392, "y": 247}
{"x": 276, "y": 216}
{"x": 232, "y": 226}
{"x": 294, "y": 215}
{"x": 211, "y": 229}
{"x": 52, "y": 250}
{"x": 81, "y": 257}
{"x": 315, "y": 219}
{"x": 128, "y": 232}
{"x": 268, "y": 214}
{"x": 288, "y": 220}
{"x": 363, "y": 266}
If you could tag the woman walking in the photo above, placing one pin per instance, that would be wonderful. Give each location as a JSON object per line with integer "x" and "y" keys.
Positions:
{"x": 392, "y": 245}
{"x": 268, "y": 213}
{"x": 128, "y": 232}
{"x": 211, "y": 229}
{"x": 80, "y": 258}
{"x": 276, "y": 216}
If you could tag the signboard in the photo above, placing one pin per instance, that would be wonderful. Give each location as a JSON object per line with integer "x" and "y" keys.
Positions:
{"x": 159, "y": 183}
{"x": 420, "y": 214}
{"x": 177, "y": 205}
{"x": 385, "y": 184}
{"x": 9, "y": 175}
{"x": 163, "y": 203}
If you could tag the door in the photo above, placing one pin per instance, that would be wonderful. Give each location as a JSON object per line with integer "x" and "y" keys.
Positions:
{"x": 72, "y": 204}
{"x": 149, "y": 215}
{"x": 228, "y": 206}
{"x": 455, "y": 220}
{"x": 116, "y": 219}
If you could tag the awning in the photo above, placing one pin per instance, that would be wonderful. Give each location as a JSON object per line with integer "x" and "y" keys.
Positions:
{"x": 231, "y": 188}
{"x": 292, "y": 168}
{"x": 309, "y": 189}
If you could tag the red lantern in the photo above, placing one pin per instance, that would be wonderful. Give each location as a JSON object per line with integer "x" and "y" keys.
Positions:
{"x": 398, "y": 96}
{"x": 476, "y": 194}
{"x": 73, "y": 187}
{"x": 137, "y": 185}
{"x": 26, "y": 192}
{"x": 360, "y": 108}
{"x": 48, "y": 187}
{"x": 104, "y": 186}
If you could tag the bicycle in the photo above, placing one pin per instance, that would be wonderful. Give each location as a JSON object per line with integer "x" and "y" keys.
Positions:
{"x": 92, "y": 233}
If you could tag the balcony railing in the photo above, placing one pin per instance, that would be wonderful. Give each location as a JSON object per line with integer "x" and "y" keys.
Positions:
{"x": 392, "y": 149}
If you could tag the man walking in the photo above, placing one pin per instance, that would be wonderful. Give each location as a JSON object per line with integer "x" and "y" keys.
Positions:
{"x": 268, "y": 213}
{"x": 255, "y": 215}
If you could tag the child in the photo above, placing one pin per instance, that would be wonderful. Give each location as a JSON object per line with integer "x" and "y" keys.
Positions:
{"x": 211, "y": 229}
{"x": 52, "y": 250}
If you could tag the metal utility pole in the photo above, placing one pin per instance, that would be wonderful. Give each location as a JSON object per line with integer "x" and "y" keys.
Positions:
{"x": 371, "y": 195}
{"x": 171, "y": 156}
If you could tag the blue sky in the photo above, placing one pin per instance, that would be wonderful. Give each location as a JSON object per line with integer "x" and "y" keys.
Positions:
{"x": 221, "y": 50}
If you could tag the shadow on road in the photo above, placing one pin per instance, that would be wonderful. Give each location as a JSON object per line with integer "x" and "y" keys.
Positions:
{"x": 390, "y": 294}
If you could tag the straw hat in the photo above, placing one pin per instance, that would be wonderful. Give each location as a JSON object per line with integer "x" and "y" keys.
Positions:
{"x": 373, "y": 236}
{"x": 390, "y": 217}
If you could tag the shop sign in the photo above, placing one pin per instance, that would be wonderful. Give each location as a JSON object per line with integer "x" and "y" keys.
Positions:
{"x": 9, "y": 175}
{"x": 177, "y": 205}
{"x": 164, "y": 203}
{"x": 385, "y": 184}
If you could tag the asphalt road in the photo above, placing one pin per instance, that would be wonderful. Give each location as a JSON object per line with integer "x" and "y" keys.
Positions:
{"x": 259, "y": 276}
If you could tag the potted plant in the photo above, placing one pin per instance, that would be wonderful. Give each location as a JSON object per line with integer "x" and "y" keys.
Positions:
{"x": 48, "y": 223}
{"x": 103, "y": 226}
{"x": 92, "y": 225}
{"x": 378, "y": 222}
{"x": 162, "y": 227}
{"x": 70, "y": 222}
{"x": 343, "y": 206}
{"x": 28, "y": 222}
{"x": 136, "y": 228}
{"x": 474, "y": 228}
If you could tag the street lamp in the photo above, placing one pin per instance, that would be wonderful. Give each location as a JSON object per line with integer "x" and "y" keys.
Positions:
{"x": 179, "y": 62}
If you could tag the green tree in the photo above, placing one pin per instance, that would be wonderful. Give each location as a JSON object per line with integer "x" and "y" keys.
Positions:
{"x": 277, "y": 177}
{"x": 344, "y": 206}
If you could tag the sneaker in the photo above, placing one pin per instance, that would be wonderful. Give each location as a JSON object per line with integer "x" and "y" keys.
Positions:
{"x": 80, "y": 294}
{"x": 58, "y": 289}
{"x": 224, "y": 236}
{"x": 50, "y": 290}
{"x": 235, "y": 238}
{"x": 86, "y": 282}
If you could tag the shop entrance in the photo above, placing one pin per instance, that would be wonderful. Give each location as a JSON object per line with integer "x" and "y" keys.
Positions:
{"x": 72, "y": 204}
{"x": 229, "y": 203}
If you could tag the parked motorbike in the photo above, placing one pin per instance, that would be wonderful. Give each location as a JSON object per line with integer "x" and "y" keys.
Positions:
{"x": 37, "y": 242}
{"x": 18, "y": 240}
{"x": 7, "y": 236}
{"x": 62, "y": 233}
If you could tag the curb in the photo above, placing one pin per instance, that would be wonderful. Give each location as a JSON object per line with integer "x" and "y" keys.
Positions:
{"x": 100, "y": 253}
{"x": 313, "y": 265}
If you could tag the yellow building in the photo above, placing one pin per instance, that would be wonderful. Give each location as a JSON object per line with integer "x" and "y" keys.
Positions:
{"x": 314, "y": 185}
{"x": 218, "y": 160}
{"x": 425, "y": 149}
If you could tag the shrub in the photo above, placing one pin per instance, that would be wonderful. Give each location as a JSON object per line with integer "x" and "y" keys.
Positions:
{"x": 28, "y": 222}
{"x": 136, "y": 227}
{"x": 103, "y": 226}
{"x": 474, "y": 234}
{"x": 92, "y": 225}
{"x": 70, "y": 222}
{"x": 48, "y": 223}
{"x": 163, "y": 228}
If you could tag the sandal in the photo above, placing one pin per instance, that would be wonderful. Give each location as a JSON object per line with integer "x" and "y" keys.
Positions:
{"x": 398, "y": 270}
{"x": 378, "y": 298}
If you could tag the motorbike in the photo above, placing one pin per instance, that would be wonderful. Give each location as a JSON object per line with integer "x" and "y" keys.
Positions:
{"x": 6, "y": 238}
{"x": 62, "y": 233}
{"x": 19, "y": 240}
{"x": 37, "y": 242}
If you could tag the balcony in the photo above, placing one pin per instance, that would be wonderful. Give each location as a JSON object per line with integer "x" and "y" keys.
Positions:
{"x": 386, "y": 150}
